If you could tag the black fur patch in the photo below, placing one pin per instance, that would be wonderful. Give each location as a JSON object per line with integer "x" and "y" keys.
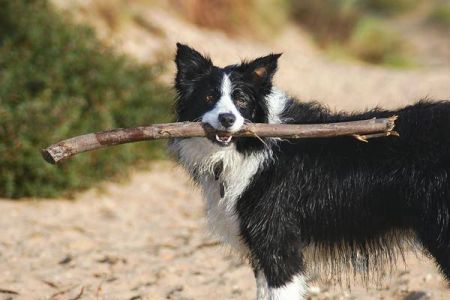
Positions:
{"x": 352, "y": 201}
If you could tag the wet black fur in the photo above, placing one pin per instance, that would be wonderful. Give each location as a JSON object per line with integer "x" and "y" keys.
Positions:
{"x": 354, "y": 202}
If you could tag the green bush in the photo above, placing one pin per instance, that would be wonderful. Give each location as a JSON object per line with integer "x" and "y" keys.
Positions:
{"x": 354, "y": 28}
{"x": 374, "y": 42}
{"x": 441, "y": 14}
{"x": 391, "y": 7}
{"x": 56, "y": 81}
{"x": 335, "y": 19}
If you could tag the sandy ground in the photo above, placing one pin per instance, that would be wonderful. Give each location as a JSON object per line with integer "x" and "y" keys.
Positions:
{"x": 146, "y": 238}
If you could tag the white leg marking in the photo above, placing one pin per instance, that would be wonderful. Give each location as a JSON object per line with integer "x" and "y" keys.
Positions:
{"x": 224, "y": 105}
{"x": 262, "y": 290}
{"x": 294, "y": 290}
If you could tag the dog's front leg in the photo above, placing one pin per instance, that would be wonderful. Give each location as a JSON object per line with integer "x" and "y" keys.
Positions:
{"x": 275, "y": 248}
{"x": 279, "y": 271}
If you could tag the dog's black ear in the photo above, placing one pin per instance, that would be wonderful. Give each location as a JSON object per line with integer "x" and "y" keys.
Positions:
{"x": 190, "y": 65}
{"x": 261, "y": 70}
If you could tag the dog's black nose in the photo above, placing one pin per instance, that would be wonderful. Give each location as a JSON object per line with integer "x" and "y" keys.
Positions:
{"x": 227, "y": 119}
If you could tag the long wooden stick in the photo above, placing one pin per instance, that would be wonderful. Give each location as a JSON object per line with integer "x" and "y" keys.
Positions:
{"x": 362, "y": 130}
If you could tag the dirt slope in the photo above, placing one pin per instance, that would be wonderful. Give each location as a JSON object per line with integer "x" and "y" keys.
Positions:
{"x": 146, "y": 239}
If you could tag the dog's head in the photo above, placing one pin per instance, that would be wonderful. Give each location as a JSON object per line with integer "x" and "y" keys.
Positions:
{"x": 224, "y": 98}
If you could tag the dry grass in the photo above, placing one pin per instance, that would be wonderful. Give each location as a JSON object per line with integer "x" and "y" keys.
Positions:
{"x": 218, "y": 14}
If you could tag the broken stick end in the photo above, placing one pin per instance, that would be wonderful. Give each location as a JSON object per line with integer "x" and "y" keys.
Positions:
{"x": 46, "y": 155}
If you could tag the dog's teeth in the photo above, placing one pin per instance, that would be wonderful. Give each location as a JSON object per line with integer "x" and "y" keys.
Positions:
{"x": 224, "y": 140}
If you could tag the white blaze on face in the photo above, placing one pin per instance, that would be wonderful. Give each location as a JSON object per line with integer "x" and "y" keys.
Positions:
{"x": 224, "y": 105}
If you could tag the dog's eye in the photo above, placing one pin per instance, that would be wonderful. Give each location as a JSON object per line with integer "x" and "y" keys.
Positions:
{"x": 208, "y": 99}
{"x": 241, "y": 103}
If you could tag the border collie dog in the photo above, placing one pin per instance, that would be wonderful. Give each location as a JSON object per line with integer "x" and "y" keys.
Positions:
{"x": 292, "y": 205}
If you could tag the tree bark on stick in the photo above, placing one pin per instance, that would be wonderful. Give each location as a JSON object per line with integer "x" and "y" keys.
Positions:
{"x": 362, "y": 130}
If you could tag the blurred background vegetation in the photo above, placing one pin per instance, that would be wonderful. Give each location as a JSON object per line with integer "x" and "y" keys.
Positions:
{"x": 57, "y": 79}
{"x": 364, "y": 30}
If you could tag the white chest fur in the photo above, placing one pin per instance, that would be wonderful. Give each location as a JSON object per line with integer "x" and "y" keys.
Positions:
{"x": 202, "y": 155}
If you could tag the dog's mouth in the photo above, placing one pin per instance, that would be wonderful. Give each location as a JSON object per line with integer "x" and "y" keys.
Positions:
{"x": 223, "y": 138}
{"x": 217, "y": 136}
